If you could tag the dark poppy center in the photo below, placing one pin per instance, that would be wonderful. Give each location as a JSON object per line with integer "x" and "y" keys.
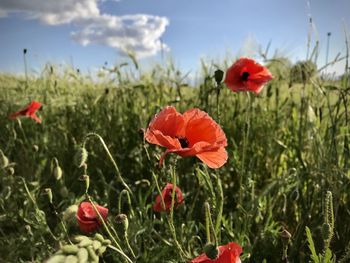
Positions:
{"x": 183, "y": 141}
{"x": 245, "y": 76}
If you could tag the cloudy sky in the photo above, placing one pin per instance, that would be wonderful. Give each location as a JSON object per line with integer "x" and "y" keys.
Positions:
{"x": 88, "y": 33}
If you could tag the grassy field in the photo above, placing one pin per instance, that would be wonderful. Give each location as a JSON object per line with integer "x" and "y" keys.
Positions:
{"x": 287, "y": 171}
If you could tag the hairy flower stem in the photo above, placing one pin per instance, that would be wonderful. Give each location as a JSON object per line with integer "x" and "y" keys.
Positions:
{"x": 92, "y": 134}
{"x": 209, "y": 225}
{"x": 218, "y": 89}
{"x": 244, "y": 150}
{"x": 122, "y": 193}
{"x": 38, "y": 212}
{"x": 170, "y": 218}
{"x": 220, "y": 207}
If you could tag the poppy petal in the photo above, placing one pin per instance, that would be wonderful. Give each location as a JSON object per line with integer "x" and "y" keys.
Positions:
{"x": 201, "y": 127}
{"x": 35, "y": 117}
{"x": 169, "y": 121}
{"x": 215, "y": 158}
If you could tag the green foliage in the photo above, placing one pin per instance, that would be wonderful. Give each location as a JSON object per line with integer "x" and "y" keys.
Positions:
{"x": 287, "y": 148}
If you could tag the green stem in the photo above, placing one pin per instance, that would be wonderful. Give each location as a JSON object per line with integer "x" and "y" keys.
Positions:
{"x": 209, "y": 222}
{"x": 220, "y": 207}
{"x": 120, "y": 251}
{"x": 92, "y": 134}
{"x": 245, "y": 139}
{"x": 171, "y": 216}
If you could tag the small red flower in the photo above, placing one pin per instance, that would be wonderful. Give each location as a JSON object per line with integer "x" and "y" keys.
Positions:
{"x": 247, "y": 75}
{"x": 193, "y": 133}
{"x": 28, "y": 111}
{"x": 88, "y": 219}
{"x": 166, "y": 193}
{"x": 227, "y": 254}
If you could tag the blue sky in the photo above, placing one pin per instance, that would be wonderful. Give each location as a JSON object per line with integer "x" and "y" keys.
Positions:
{"x": 87, "y": 33}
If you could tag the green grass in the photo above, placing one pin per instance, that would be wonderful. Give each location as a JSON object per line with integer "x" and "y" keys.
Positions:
{"x": 287, "y": 148}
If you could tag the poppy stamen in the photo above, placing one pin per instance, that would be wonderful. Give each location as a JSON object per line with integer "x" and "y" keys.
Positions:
{"x": 245, "y": 76}
{"x": 183, "y": 141}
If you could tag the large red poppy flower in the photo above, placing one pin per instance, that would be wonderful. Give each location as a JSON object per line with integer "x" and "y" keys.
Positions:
{"x": 193, "y": 133}
{"x": 28, "y": 111}
{"x": 227, "y": 254}
{"x": 247, "y": 75}
{"x": 88, "y": 219}
{"x": 166, "y": 194}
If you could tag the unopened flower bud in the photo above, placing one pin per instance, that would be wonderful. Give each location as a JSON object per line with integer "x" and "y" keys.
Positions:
{"x": 57, "y": 173}
{"x": 4, "y": 161}
{"x": 35, "y": 148}
{"x": 80, "y": 157}
{"x": 10, "y": 170}
{"x": 218, "y": 75}
{"x": 122, "y": 223}
{"x": 211, "y": 250}
{"x": 69, "y": 215}
{"x": 49, "y": 194}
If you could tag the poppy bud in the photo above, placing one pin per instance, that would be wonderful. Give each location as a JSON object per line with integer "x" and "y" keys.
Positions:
{"x": 57, "y": 173}
{"x": 80, "y": 157}
{"x": 218, "y": 75}
{"x": 49, "y": 194}
{"x": 85, "y": 178}
{"x": 69, "y": 215}
{"x": 10, "y": 170}
{"x": 64, "y": 191}
{"x": 35, "y": 148}
{"x": 122, "y": 223}
{"x": 211, "y": 251}
{"x": 4, "y": 161}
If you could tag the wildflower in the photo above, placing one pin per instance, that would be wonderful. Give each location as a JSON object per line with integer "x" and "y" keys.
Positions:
{"x": 28, "y": 111}
{"x": 227, "y": 254}
{"x": 166, "y": 194}
{"x": 88, "y": 219}
{"x": 193, "y": 133}
{"x": 247, "y": 75}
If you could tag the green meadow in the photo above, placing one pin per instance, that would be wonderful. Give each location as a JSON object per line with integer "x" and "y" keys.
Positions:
{"x": 283, "y": 194}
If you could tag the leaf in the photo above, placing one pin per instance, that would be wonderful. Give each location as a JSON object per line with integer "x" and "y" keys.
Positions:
{"x": 314, "y": 256}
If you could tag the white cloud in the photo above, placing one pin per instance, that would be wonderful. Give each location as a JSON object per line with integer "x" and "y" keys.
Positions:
{"x": 52, "y": 12}
{"x": 139, "y": 33}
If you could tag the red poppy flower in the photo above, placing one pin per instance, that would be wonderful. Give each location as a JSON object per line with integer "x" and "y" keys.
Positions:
{"x": 166, "y": 193}
{"x": 227, "y": 254}
{"x": 193, "y": 133}
{"x": 28, "y": 111}
{"x": 88, "y": 219}
{"x": 247, "y": 75}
